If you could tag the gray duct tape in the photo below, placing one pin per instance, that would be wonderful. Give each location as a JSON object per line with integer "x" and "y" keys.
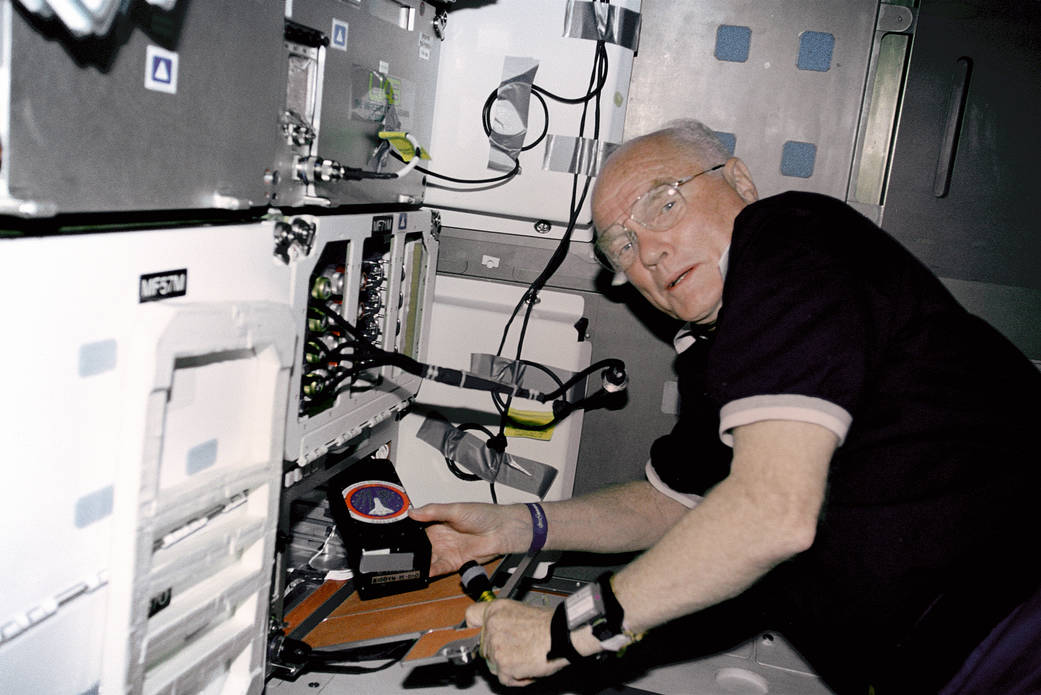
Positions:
{"x": 509, "y": 113}
{"x": 510, "y": 371}
{"x": 599, "y": 21}
{"x": 573, "y": 155}
{"x": 471, "y": 453}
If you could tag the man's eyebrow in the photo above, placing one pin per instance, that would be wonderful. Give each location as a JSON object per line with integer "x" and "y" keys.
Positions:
{"x": 661, "y": 181}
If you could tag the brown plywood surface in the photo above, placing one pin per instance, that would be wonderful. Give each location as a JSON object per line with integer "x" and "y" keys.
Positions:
{"x": 310, "y": 604}
{"x": 431, "y": 643}
{"x": 442, "y": 604}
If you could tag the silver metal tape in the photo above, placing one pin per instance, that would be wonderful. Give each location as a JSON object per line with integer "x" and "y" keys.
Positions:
{"x": 471, "y": 453}
{"x": 510, "y": 371}
{"x": 509, "y": 112}
{"x": 573, "y": 155}
{"x": 601, "y": 21}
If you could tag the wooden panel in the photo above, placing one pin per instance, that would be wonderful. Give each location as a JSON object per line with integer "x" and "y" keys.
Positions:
{"x": 442, "y": 604}
{"x": 431, "y": 643}
{"x": 389, "y": 622}
{"x": 310, "y": 604}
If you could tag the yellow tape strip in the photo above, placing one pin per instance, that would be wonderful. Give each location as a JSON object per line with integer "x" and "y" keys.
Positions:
{"x": 530, "y": 417}
{"x": 402, "y": 146}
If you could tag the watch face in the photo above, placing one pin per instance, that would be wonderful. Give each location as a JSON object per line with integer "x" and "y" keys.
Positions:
{"x": 376, "y": 502}
{"x": 583, "y": 607}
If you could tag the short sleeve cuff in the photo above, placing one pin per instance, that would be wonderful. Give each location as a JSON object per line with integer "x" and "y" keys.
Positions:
{"x": 783, "y": 406}
{"x": 686, "y": 499}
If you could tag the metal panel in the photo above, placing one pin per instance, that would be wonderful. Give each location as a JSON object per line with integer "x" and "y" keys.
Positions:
{"x": 104, "y": 453}
{"x": 620, "y": 324}
{"x": 764, "y": 73}
{"x": 85, "y": 133}
{"x": 372, "y": 43}
{"x": 984, "y": 227}
{"x": 404, "y": 247}
{"x": 481, "y": 39}
{"x": 962, "y": 190}
{"x": 468, "y": 317}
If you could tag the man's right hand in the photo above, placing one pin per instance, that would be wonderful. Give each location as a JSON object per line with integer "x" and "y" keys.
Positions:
{"x": 471, "y": 531}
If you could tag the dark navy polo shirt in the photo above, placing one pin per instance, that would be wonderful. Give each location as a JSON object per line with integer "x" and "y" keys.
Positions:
{"x": 923, "y": 537}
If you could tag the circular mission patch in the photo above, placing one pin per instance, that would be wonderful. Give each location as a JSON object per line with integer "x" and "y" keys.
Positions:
{"x": 376, "y": 502}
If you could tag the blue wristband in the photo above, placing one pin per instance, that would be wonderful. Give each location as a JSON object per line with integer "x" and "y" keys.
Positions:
{"x": 539, "y": 527}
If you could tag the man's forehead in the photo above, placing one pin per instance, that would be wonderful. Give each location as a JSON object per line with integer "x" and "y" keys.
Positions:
{"x": 634, "y": 169}
{"x": 633, "y": 180}
{"x": 650, "y": 162}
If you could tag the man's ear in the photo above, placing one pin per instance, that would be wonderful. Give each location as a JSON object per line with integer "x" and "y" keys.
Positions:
{"x": 739, "y": 177}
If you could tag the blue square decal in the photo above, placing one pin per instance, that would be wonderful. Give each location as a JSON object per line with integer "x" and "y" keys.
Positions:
{"x": 815, "y": 49}
{"x": 798, "y": 159}
{"x": 732, "y": 43}
{"x": 729, "y": 140}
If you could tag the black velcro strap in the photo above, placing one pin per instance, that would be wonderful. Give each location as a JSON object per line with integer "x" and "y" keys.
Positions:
{"x": 560, "y": 646}
{"x": 614, "y": 614}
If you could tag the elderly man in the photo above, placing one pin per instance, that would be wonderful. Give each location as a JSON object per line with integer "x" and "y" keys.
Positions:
{"x": 854, "y": 457}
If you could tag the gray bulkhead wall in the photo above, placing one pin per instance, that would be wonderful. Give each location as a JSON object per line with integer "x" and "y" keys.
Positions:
{"x": 727, "y": 63}
{"x": 854, "y": 98}
{"x": 963, "y": 188}
{"x": 789, "y": 85}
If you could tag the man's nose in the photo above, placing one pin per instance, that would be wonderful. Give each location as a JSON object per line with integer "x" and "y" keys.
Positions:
{"x": 653, "y": 246}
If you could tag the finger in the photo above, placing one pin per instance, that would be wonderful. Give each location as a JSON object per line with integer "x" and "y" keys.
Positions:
{"x": 514, "y": 683}
{"x": 475, "y": 614}
{"x": 439, "y": 567}
{"x": 441, "y": 562}
{"x": 428, "y": 512}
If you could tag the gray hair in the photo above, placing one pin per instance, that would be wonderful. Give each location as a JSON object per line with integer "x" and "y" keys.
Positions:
{"x": 697, "y": 140}
{"x": 690, "y": 138}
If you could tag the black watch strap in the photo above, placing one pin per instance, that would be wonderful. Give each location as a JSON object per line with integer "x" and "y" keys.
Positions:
{"x": 560, "y": 646}
{"x": 614, "y": 614}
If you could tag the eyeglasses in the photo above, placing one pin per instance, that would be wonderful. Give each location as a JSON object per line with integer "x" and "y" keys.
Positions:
{"x": 658, "y": 210}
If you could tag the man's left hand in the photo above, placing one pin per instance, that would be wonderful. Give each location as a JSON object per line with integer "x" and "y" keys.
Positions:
{"x": 514, "y": 640}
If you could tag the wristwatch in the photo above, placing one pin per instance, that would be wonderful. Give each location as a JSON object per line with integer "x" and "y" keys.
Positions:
{"x": 596, "y": 605}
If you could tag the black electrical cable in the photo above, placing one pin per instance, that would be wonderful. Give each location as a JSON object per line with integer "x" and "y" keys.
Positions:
{"x": 503, "y": 408}
{"x": 607, "y": 363}
{"x": 504, "y": 413}
{"x": 563, "y": 408}
{"x": 486, "y": 117}
{"x": 601, "y": 81}
{"x": 486, "y": 123}
{"x": 560, "y": 252}
{"x": 542, "y": 368}
{"x": 470, "y": 477}
{"x": 330, "y": 390}
{"x": 513, "y": 172}
{"x": 338, "y": 669}
{"x": 545, "y": 125}
{"x": 366, "y": 356}
{"x": 598, "y": 77}
{"x": 456, "y": 470}
{"x": 371, "y": 652}
{"x": 333, "y": 661}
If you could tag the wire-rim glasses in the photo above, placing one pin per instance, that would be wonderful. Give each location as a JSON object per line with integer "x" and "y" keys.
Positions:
{"x": 658, "y": 210}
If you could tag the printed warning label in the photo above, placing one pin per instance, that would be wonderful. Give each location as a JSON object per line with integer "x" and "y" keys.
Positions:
{"x": 339, "y": 35}
{"x": 160, "y": 70}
